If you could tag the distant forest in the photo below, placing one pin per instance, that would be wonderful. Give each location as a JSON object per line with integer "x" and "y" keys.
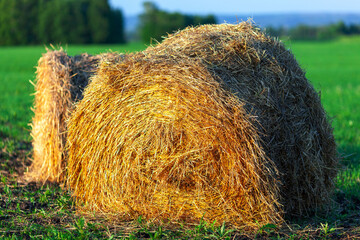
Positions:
{"x": 33, "y": 22}
{"x": 305, "y": 32}
{"x": 24, "y": 22}
{"x": 58, "y": 21}
{"x": 156, "y": 23}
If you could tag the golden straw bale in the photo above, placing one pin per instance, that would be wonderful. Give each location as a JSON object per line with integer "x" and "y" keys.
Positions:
{"x": 59, "y": 83}
{"x": 217, "y": 122}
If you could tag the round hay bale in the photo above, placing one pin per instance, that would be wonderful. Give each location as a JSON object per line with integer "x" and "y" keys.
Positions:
{"x": 217, "y": 122}
{"x": 60, "y": 81}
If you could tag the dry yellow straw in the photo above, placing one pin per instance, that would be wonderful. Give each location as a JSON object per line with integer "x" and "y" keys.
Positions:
{"x": 217, "y": 122}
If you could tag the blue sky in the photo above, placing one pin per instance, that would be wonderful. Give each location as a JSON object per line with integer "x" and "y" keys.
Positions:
{"x": 134, "y": 7}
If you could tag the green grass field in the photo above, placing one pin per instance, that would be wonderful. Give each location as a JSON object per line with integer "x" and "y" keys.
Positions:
{"x": 47, "y": 212}
{"x": 333, "y": 69}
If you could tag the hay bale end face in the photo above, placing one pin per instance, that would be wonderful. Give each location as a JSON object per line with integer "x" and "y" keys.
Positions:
{"x": 217, "y": 122}
{"x": 60, "y": 82}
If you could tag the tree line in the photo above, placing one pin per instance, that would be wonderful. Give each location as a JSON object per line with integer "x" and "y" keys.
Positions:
{"x": 24, "y": 22}
{"x": 58, "y": 21}
{"x": 156, "y": 23}
{"x": 305, "y": 32}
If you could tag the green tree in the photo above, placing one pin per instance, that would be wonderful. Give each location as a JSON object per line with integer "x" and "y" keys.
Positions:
{"x": 155, "y": 23}
{"x": 276, "y": 31}
{"x": 303, "y": 32}
{"x": 341, "y": 28}
{"x": 148, "y": 21}
{"x": 63, "y": 21}
{"x": 26, "y": 12}
{"x": 7, "y": 23}
{"x": 198, "y": 20}
{"x": 354, "y": 29}
{"x": 59, "y": 21}
{"x": 79, "y": 32}
{"x": 45, "y": 21}
{"x": 18, "y": 21}
{"x": 98, "y": 19}
{"x": 116, "y": 27}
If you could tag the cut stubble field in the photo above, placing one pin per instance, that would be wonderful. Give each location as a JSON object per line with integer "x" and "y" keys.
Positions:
{"x": 47, "y": 211}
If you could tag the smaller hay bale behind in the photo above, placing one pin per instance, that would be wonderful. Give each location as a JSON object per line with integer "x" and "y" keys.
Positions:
{"x": 60, "y": 81}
